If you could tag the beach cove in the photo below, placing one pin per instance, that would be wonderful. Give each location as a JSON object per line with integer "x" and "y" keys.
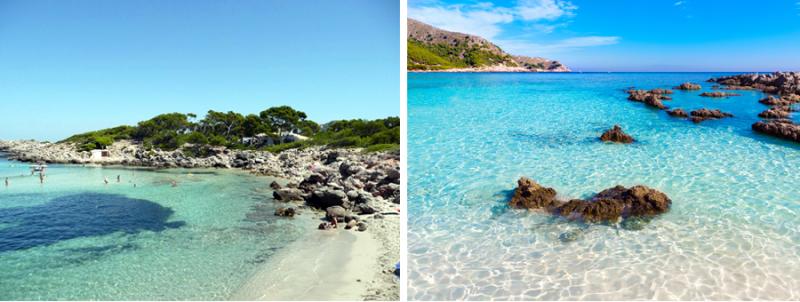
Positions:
{"x": 215, "y": 229}
{"x": 730, "y": 234}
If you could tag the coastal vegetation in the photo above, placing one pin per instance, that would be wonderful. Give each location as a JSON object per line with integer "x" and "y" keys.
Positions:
{"x": 276, "y": 128}
{"x": 433, "y": 49}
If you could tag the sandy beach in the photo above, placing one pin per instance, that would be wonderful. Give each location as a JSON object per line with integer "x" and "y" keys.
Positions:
{"x": 331, "y": 265}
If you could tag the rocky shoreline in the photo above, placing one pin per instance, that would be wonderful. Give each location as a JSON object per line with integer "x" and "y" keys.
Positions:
{"x": 355, "y": 188}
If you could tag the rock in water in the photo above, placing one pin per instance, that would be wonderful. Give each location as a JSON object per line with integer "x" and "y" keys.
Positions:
{"x": 335, "y": 213}
{"x": 637, "y": 200}
{"x": 688, "y": 86}
{"x": 609, "y": 205}
{"x": 274, "y": 185}
{"x": 285, "y": 212}
{"x": 531, "y": 195}
{"x": 616, "y": 135}
{"x": 677, "y": 113}
{"x": 718, "y": 94}
{"x": 706, "y": 114}
{"x": 780, "y": 112}
{"x": 570, "y": 236}
{"x": 781, "y": 128}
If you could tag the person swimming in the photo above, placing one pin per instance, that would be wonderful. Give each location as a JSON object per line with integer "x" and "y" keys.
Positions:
{"x": 174, "y": 183}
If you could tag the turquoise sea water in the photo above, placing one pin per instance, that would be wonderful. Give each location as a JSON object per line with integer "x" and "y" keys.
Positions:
{"x": 74, "y": 237}
{"x": 733, "y": 231}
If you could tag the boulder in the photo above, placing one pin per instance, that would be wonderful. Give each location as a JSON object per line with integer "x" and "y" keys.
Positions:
{"x": 531, "y": 195}
{"x": 718, "y": 94}
{"x": 688, "y": 86}
{"x": 326, "y": 197}
{"x": 781, "y": 128}
{"x": 615, "y": 134}
{"x": 678, "y": 112}
{"x": 706, "y": 114}
{"x": 285, "y": 212}
{"x": 274, "y": 185}
{"x": 609, "y": 205}
{"x": 780, "y": 112}
{"x": 336, "y": 212}
{"x": 288, "y": 194}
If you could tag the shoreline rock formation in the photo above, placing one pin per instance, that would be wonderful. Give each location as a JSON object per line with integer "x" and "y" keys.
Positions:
{"x": 318, "y": 177}
{"x": 616, "y": 135}
{"x": 609, "y": 205}
{"x": 782, "y": 83}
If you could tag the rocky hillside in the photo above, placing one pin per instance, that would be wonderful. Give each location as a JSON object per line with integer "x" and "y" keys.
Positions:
{"x": 431, "y": 48}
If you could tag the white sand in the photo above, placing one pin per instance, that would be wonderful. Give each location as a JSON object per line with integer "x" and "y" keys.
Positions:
{"x": 326, "y": 265}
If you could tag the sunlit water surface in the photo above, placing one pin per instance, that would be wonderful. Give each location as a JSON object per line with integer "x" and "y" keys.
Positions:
{"x": 733, "y": 231}
{"x": 75, "y": 237}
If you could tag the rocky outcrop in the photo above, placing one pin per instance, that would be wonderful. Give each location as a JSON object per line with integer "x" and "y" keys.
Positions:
{"x": 285, "y": 212}
{"x": 718, "y": 94}
{"x": 688, "y": 86}
{"x": 776, "y": 112}
{"x": 781, "y": 128}
{"x": 708, "y": 114}
{"x": 650, "y": 98}
{"x": 531, "y": 195}
{"x": 425, "y": 43}
{"x": 615, "y": 134}
{"x": 609, "y": 205}
{"x": 783, "y": 83}
{"x": 678, "y": 112}
{"x": 781, "y": 100}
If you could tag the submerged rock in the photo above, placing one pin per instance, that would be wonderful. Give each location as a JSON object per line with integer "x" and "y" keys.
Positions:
{"x": 707, "y": 114}
{"x": 615, "y": 134}
{"x": 531, "y": 195}
{"x": 718, "y": 94}
{"x": 285, "y": 212}
{"x": 570, "y": 236}
{"x": 781, "y": 128}
{"x": 688, "y": 86}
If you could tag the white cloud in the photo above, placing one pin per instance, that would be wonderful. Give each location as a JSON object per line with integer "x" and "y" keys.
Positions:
{"x": 679, "y": 3}
{"x": 484, "y": 22}
{"x": 523, "y": 47}
{"x": 485, "y": 19}
{"x": 534, "y": 10}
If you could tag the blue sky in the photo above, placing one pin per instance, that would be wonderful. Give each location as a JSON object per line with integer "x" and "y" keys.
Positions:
{"x": 69, "y": 66}
{"x": 632, "y": 35}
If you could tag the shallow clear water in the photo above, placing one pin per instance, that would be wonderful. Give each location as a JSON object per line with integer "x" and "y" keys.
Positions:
{"x": 733, "y": 231}
{"x": 74, "y": 237}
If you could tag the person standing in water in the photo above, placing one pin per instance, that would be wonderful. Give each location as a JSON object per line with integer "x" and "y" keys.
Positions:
{"x": 105, "y": 179}
{"x": 41, "y": 177}
{"x": 6, "y": 181}
{"x": 118, "y": 178}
